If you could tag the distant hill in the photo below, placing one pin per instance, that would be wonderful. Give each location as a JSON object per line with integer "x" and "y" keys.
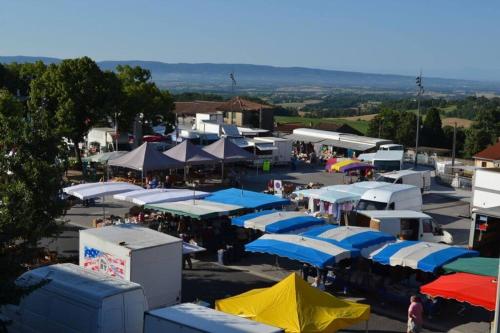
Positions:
{"x": 209, "y": 76}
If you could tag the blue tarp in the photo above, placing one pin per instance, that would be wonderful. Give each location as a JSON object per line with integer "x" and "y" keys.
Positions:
{"x": 357, "y": 237}
{"x": 314, "y": 251}
{"x": 273, "y": 221}
{"x": 425, "y": 256}
{"x": 247, "y": 199}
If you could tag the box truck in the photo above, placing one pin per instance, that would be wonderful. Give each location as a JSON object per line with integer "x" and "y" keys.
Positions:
{"x": 420, "y": 179}
{"x": 484, "y": 233}
{"x": 391, "y": 197}
{"x": 193, "y": 318}
{"x": 405, "y": 224}
{"x": 134, "y": 253}
{"x": 388, "y": 160}
{"x": 72, "y": 299}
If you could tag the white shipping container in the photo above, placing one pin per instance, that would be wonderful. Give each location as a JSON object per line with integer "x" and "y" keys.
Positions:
{"x": 77, "y": 300}
{"x": 134, "y": 253}
{"x": 486, "y": 188}
{"x": 192, "y": 318}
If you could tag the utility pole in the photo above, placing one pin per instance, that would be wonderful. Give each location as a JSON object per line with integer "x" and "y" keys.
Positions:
{"x": 420, "y": 92}
{"x": 454, "y": 145}
{"x": 116, "y": 131}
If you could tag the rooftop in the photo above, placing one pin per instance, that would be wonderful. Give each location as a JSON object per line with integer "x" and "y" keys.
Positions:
{"x": 131, "y": 236}
{"x": 492, "y": 153}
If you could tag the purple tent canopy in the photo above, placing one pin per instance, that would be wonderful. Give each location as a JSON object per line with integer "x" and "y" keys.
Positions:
{"x": 356, "y": 166}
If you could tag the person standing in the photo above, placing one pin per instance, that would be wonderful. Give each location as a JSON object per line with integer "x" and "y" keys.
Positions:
{"x": 415, "y": 315}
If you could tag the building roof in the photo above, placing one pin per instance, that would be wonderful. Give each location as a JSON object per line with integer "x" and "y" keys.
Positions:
{"x": 131, "y": 236}
{"x": 239, "y": 104}
{"x": 341, "y": 128}
{"x": 236, "y": 104}
{"x": 192, "y": 108}
{"x": 492, "y": 153}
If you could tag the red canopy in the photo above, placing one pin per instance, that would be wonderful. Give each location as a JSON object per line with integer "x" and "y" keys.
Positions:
{"x": 477, "y": 290}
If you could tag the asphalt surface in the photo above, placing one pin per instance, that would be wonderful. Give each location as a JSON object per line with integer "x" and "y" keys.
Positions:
{"x": 208, "y": 282}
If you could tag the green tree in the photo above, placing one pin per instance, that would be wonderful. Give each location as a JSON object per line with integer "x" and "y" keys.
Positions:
{"x": 407, "y": 129}
{"x": 384, "y": 125}
{"x": 143, "y": 97}
{"x": 484, "y": 131}
{"x": 460, "y": 139}
{"x": 75, "y": 92}
{"x": 30, "y": 181}
{"x": 432, "y": 131}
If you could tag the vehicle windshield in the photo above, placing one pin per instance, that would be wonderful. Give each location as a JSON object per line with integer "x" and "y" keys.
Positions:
{"x": 387, "y": 165}
{"x": 371, "y": 205}
{"x": 385, "y": 179}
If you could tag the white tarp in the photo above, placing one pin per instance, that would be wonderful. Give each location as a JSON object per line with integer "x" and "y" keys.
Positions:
{"x": 144, "y": 197}
{"x": 95, "y": 190}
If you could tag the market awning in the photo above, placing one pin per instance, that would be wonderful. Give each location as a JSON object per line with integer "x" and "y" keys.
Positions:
{"x": 295, "y": 306}
{"x": 247, "y": 199}
{"x": 314, "y": 251}
{"x": 265, "y": 146}
{"x": 327, "y": 195}
{"x": 337, "y": 166}
{"x": 364, "y": 239}
{"x": 104, "y": 157}
{"x": 144, "y": 197}
{"x": 303, "y": 138}
{"x": 477, "y": 265}
{"x": 476, "y": 290}
{"x": 356, "y": 166}
{"x": 198, "y": 209}
{"x": 425, "y": 256}
{"x": 96, "y": 190}
{"x": 347, "y": 145}
{"x": 188, "y": 248}
{"x": 276, "y": 221}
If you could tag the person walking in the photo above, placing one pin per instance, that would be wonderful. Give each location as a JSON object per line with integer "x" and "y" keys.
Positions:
{"x": 415, "y": 315}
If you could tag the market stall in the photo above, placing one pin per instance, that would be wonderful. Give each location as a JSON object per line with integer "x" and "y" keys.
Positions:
{"x": 477, "y": 290}
{"x": 197, "y": 209}
{"x": 295, "y": 306}
{"x": 329, "y": 202}
{"x": 425, "y": 256}
{"x": 247, "y": 199}
{"x": 95, "y": 190}
{"x": 152, "y": 196}
{"x": 475, "y": 265}
{"x": 314, "y": 251}
{"x": 273, "y": 221}
{"x": 364, "y": 239}
{"x": 228, "y": 152}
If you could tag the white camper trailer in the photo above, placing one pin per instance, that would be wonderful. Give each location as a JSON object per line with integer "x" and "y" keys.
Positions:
{"x": 391, "y": 197}
{"x": 420, "y": 179}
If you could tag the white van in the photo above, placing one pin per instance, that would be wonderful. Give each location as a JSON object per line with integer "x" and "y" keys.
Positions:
{"x": 405, "y": 224}
{"x": 74, "y": 299}
{"x": 388, "y": 160}
{"x": 420, "y": 179}
{"x": 391, "y": 146}
{"x": 391, "y": 197}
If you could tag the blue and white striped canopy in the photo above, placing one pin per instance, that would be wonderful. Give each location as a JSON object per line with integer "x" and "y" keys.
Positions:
{"x": 364, "y": 239}
{"x": 314, "y": 251}
{"x": 277, "y": 222}
{"x": 425, "y": 256}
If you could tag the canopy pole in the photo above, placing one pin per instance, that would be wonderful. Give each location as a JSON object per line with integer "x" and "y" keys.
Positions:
{"x": 366, "y": 326}
{"x": 222, "y": 173}
{"x": 142, "y": 177}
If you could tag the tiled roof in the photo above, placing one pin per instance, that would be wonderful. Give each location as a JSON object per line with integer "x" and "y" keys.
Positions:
{"x": 491, "y": 153}
{"x": 241, "y": 104}
{"x": 192, "y": 108}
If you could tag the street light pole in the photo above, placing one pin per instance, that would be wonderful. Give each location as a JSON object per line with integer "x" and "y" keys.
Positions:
{"x": 419, "y": 94}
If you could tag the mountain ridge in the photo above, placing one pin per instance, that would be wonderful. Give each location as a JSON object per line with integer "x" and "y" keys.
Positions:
{"x": 189, "y": 76}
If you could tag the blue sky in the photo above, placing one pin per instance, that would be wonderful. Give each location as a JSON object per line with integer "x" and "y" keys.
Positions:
{"x": 447, "y": 38}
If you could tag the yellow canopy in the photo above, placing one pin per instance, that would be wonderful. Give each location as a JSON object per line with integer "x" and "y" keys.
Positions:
{"x": 338, "y": 165}
{"x": 295, "y": 306}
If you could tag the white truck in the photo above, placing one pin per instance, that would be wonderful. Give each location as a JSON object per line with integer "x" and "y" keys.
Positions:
{"x": 420, "y": 179}
{"x": 193, "y": 318}
{"x": 390, "y": 197}
{"x": 134, "y": 253}
{"x": 484, "y": 233}
{"x": 277, "y": 150}
{"x": 105, "y": 138}
{"x": 388, "y": 160}
{"x": 405, "y": 224}
{"x": 73, "y": 299}
{"x": 391, "y": 146}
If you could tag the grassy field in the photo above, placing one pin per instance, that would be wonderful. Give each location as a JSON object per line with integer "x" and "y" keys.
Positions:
{"x": 360, "y": 125}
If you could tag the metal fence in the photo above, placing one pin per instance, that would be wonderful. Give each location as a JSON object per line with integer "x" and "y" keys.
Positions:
{"x": 455, "y": 181}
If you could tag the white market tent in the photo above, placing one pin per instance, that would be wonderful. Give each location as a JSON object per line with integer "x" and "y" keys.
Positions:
{"x": 198, "y": 209}
{"x": 151, "y": 196}
{"x": 96, "y": 190}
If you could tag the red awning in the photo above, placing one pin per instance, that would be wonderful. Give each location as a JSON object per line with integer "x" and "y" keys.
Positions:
{"x": 477, "y": 290}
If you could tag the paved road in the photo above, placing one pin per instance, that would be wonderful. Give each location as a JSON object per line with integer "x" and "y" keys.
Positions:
{"x": 209, "y": 282}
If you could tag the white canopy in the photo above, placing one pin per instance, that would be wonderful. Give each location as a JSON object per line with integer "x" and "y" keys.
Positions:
{"x": 95, "y": 190}
{"x": 144, "y": 197}
{"x": 188, "y": 248}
